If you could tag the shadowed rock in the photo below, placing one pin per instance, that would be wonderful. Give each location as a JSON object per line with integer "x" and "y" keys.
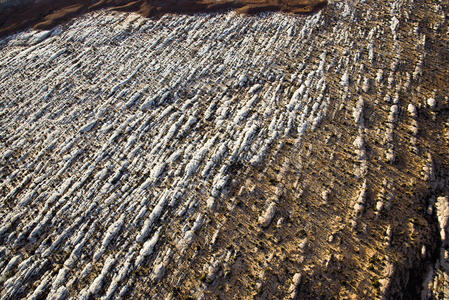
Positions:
{"x": 47, "y": 14}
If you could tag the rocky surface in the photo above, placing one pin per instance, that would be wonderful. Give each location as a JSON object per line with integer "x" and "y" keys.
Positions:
{"x": 221, "y": 156}
{"x": 16, "y": 15}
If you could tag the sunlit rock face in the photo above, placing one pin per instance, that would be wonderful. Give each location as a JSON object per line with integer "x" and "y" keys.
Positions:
{"x": 220, "y": 155}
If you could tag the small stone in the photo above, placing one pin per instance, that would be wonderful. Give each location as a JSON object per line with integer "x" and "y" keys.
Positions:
{"x": 412, "y": 110}
{"x": 431, "y": 102}
{"x": 379, "y": 206}
{"x": 211, "y": 204}
{"x": 303, "y": 244}
{"x": 267, "y": 217}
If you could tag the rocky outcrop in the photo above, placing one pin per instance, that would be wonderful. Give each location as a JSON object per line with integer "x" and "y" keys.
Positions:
{"x": 229, "y": 156}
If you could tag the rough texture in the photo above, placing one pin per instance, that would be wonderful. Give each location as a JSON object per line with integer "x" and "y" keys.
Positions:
{"x": 138, "y": 155}
{"x": 45, "y": 14}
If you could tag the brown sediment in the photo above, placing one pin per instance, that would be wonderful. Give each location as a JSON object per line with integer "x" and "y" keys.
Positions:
{"x": 46, "y": 14}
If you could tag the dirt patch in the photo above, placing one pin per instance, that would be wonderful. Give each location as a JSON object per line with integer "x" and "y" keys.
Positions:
{"x": 46, "y": 14}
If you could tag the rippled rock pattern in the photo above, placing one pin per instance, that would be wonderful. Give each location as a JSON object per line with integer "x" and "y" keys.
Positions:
{"x": 206, "y": 156}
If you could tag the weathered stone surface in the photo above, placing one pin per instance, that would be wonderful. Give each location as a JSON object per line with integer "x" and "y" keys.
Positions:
{"x": 139, "y": 157}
